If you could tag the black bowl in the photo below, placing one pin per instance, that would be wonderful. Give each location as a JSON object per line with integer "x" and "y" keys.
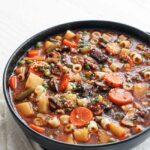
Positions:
{"x": 20, "y": 51}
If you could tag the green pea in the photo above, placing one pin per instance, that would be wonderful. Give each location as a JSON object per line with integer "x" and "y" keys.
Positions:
{"x": 39, "y": 45}
{"x": 87, "y": 67}
{"x": 69, "y": 65}
{"x": 21, "y": 62}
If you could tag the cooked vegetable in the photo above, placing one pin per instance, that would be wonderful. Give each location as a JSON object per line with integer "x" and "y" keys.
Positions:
{"x": 114, "y": 79}
{"x": 24, "y": 94}
{"x": 13, "y": 82}
{"x": 25, "y": 108}
{"x": 117, "y": 130}
{"x": 33, "y": 53}
{"x": 120, "y": 96}
{"x": 103, "y": 137}
{"x": 64, "y": 83}
{"x": 68, "y": 43}
{"x": 69, "y": 35}
{"x": 49, "y": 46}
{"x": 81, "y": 116}
{"x": 37, "y": 128}
{"x": 139, "y": 89}
{"x": 33, "y": 81}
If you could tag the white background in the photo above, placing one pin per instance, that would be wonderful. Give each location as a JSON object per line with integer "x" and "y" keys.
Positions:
{"x": 20, "y": 19}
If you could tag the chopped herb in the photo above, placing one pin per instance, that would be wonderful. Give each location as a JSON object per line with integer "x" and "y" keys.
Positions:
{"x": 45, "y": 85}
{"x": 62, "y": 101}
{"x": 60, "y": 59}
{"x": 73, "y": 86}
{"x": 101, "y": 65}
{"x": 56, "y": 132}
{"x": 129, "y": 80}
{"x": 111, "y": 140}
{"x": 124, "y": 60}
{"x": 52, "y": 64}
{"x": 87, "y": 67}
{"x": 84, "y": 42}
{"x": 96, "y": 100}
{"x": 69, "y": 65}
{"x": 41, "y": 68}
{"x": 68, "y": 109}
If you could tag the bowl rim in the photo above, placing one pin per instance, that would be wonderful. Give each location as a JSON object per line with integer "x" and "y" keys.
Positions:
{"x": 22, "y": 122}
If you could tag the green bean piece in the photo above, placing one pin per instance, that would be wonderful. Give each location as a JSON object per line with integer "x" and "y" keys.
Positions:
{"x": 29, "y": 61}
{"x": 24, "y": 94}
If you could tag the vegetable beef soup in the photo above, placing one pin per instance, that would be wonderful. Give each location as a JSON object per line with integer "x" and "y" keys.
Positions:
{"x": 88, "y": 86}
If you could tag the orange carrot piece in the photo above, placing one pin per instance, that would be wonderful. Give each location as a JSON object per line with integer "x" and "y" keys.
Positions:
{"x": 81, "y": 116}
{"x": 69, "y": 43}
{"x": 33, "y": 53}
{"x": 120, "y": 96}
{"x": 64, "y": 83}
{"x": 114, "y": 79}
{"x": 37, "y": 128}
{"x": 13, "y": 82}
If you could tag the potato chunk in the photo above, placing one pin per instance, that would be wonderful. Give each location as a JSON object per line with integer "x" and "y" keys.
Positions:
{"x": 139, "y": 89}
{"x": 69, "y": 35}
{"x": 33, "y": 81}
{"x": 25, "y": 108}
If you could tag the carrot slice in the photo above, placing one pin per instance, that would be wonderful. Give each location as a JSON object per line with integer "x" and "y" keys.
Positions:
{"x": 69, "y": 43}
{"x": 81, "y": 116}
{"x": 112, "y": 48}
{"x": 114, "y": 79}
{"x": 120, "y": 96}
{"x": 13, "y": 82}
{"x": 33, "y": 69}
{"x": 33, "y": 53}
{"x": 37, "y": 128}
{"x": 64, "y": 83}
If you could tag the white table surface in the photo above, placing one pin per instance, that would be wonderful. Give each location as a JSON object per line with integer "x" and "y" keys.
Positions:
{"x": 20, "y": 19}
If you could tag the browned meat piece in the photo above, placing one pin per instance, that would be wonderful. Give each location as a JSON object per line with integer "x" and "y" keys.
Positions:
{"x": 130, "y": 117}
{"x": 102, "y": 86}
{"x": 98, "y": 56}
{"x": 53, "y": 84}
{"x": 91, "y": 62}
{"x": 55, "y": 103}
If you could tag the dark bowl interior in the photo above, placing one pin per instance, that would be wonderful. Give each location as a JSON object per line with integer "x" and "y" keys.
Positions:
{"x": 21, "y": 50}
